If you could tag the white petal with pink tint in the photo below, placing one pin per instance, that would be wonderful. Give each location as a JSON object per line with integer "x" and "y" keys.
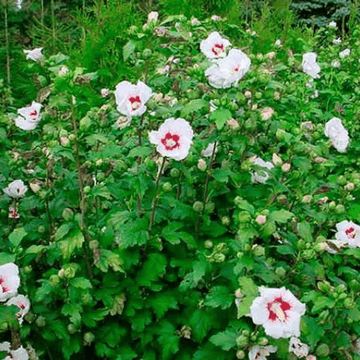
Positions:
{"x": 29, "y": 116}
{"x": 9, "y": 281}
{"x": 173, "y": 139}
{"x": 348, "y": 233}
{"x": 278, "y": 311}
{"x": 16, "y": 189}
{"x": 131, "y": 99}
{"x": 34, "y": 54}
{"x": 261, "y": 352}
{"x": 214, "y": 46}
{"x": 23, "y": 303}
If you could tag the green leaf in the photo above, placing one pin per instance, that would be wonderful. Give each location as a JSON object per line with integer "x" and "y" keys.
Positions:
{"x": 304, "y": 229}
{"x": 226, "y": 339}
{"x": 140, "y": 151}
{"x": 168, "y": 341}
{"x": 126, "y": 353}
{"x": 74, "y": 240}
{"x": 6, "y": 258}
{"x": 209, "y": 352}
{"x": 194, "y": 105}
{"x": 162, "y": 302}
{"x": 281, "y": 216}
{"x": 311, "y": 330}
{"x": 139, "y": 322}
{"x": 322, "y": 302}
{"x": 17, "y": 235}
{"x": 219, "y": 296}
{"x": 81, "y": 283}
{"x": 220, "y": 116}
{"x": 343, "y": 341}
{"x": 250, "y": 292}
{"x": 128, "y": 49}
{"x": 63, "y": 230}
{"x": 153, "y": 267}
{"x": 245, "y": 205}
{"x": 200, "y": 323}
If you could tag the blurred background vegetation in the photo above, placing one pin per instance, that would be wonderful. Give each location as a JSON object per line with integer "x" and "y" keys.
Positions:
{"x": 93, "y": 32}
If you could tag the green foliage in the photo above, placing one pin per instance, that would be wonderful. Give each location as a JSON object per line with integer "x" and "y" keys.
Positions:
{"x": 104, "y": 280}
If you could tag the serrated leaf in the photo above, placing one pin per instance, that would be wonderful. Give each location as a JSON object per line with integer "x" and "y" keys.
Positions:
{"x": 220, "y": 116}
{"x": 304, "y": 229}
{"x": 153, "y": 267}
{"x": 168, "y": 341}
{"x": 140, "y": 151}
{"x": 245, "y": 205}
{"x": 17, "y": 235}
{"x": 62, "y": 231}
{"x": 250, "y": 292}
{"x": 322, "y": 302}
{"x": 201, "y": 322}
{"x": 219, "y": 296}
{"x": 128, "y": 49}
{"x": 81, "y": 283}
{"x": 6, "y": 258}
{"x": 281, "y": 216}
{"x": 162, "y": 302}
{"x": 226, "y": 339}
{"x": 194, "y": 105}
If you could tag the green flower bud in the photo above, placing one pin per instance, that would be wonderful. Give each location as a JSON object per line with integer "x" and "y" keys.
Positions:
{"x": 225, "y": 220}
{"x": 85, "y": 123}
{"x": 209, "y": 207}
{"x": 244, "y": 216}
{"x": 67, "y": 214}
{"x": 245, "y": 332}
{"x": 219, "y": 258}
{"x": 324, "y": 286}
{"x": 341, "y": 288}
{"x": 348, "y": 303}
{"x": 40, "y": 321}
{"x": 198, "y": 206}
{"x": 259, "y": 250}
{"x": 150, "y": 164}
{"x": 322, "y": 350}
{"x": 342, "y": 296}
{"x": 27, "y": 269}
{"x": 308, "y": 254}
{"x": 71, "y": 329}
{"x": 69, "y": 273}
{"x": 263, "y": 341}
{"x": 354, "y": 285}
{"x": 41, "y": 229}
{"x": 242, "y": 341}
{"x": 87, "y": 189}
{"x": 54, "y": 280}
{"x": 240, "y": 354}
{"x": 146, "y": 53}
{"x": 341, "y": 180}
{"x": 167, "y": 187}
{"x": 88, "y": 338}
{"x": 332, "y": 205}
{"x": 208, "y": 244}
{"x": 340, "y": 209}
{"x": 174, "y": 173}
{"x": 280, "y": 271}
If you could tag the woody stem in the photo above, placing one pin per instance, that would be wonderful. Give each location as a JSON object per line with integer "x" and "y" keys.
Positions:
{"x": 154, "y": 202}
{"x": 7, "y": 45}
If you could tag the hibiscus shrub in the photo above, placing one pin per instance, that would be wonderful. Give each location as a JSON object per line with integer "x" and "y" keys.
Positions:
{"x": 203, "y": 208}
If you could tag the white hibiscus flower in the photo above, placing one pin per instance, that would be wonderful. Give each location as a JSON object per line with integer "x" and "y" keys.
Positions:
{"x": 131, "y": 99}
{"x": 298, "y": 348}
{"x": 18, "y": 354}
{"x": 16, "y": 189}
{"x": 23, "y": 303}
{"x": 337, "y": 133}
{"x": 173, "y": 139}
{"x": 261, "y": 352}
{"x": 261, "y": 175}
{"x": 227, "y": 72}
{"x": 29, "y": 116}
{"x": 348, "y": 234}
{"x": 34, "y": 54}
{"x": 337, "y": 41}
{"x": 344, "y": 53}
{"x": 214, "y": 47}
{"x": 9, "y": 281}
{"x": 309, "y": 65}
{"x": 209, "y": 150}
{"x": 278, "y": 311}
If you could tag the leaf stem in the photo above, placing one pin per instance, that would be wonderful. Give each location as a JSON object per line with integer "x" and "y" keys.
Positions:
{"x": 154, "y": 202}
{"x": 208, "y": 174}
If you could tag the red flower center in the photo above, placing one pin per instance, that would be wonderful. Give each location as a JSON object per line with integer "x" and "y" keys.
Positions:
{"x": 22, "y": 306}
{"x": 135, "y": 102}
{"x": 33, "y": 114}
{"x": 5, "y": 289}
{"x": 170, "y": 141}
{"x": 218, "y": 49}
{"x": 277, "y": 309}
{"x": 350, "y": 233}
{"x": 1, "y": 280}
